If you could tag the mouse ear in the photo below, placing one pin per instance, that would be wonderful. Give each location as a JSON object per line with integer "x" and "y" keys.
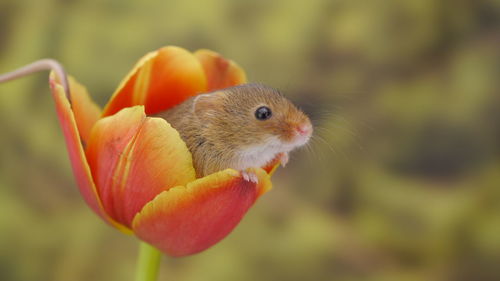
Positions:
{"x": 205, "y": 105}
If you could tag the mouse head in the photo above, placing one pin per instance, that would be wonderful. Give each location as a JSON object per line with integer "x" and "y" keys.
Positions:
{"x": 254, "y": 117}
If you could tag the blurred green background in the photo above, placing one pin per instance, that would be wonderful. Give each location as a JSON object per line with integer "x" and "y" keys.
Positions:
{"x": 401, "y": 182}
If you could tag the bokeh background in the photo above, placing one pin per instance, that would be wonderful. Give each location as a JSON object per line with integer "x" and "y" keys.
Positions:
{"x": 401, "y": 182}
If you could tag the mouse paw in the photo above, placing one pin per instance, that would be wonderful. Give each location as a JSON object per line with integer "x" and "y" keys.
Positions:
{"x": 249, "y": 176}
{"x": 283, "y": 158}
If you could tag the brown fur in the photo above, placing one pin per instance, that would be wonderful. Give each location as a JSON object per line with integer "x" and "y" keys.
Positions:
{"x": 218, "y": 126}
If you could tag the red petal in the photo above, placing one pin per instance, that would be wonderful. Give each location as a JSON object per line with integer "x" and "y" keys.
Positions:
{"x": 79, "y": 164}
{"x": 134, "y": 158}
{"x": 221, "y": 73}
{"x": 160, "y": 80}
{"x": 187, "y": 220}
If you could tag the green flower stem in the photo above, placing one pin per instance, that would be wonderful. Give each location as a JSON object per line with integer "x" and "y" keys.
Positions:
{"x": 148, "y": 263}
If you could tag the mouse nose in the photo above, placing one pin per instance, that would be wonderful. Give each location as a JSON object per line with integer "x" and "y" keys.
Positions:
{"x": 304, "y": 129}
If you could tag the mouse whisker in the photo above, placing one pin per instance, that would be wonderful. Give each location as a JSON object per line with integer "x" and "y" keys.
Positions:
{"x": 316, "y": 156}
{"x": 355, "y": 140}
{"x": 316, "y": 138}
{"x": 337, "y": 151}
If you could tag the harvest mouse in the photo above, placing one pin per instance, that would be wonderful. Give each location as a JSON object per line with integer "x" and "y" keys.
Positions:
{"x": 239, "y": 127}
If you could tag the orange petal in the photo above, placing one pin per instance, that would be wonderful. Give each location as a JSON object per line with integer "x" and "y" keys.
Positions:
{"x": 187, "y": 220}
{"x": 221, "y": 73}
{"x": 160, "y": 80}
{"x": 79, "y": 164}
{"x": 85, "y": 110}
{"x": 133, "y": 158}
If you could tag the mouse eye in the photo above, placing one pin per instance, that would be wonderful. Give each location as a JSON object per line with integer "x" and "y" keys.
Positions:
{"x": 263, "y": 113}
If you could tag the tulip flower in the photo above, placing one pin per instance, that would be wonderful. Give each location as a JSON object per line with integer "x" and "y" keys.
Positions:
{"x": 135, "y": 171}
